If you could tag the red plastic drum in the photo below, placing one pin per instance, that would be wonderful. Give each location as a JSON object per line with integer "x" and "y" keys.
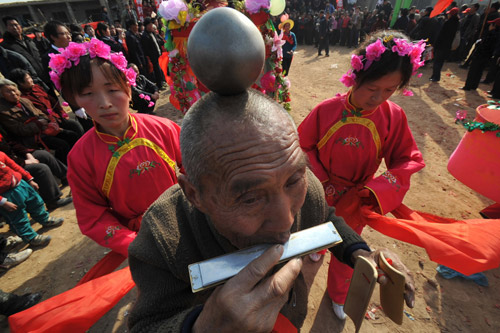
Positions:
{"x": 476, "y": 160}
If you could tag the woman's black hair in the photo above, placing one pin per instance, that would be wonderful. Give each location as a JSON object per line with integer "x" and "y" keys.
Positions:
{"x": 18, "y": 75}
{"x": 389, "y": 61}
{"x": 101, "y": 29}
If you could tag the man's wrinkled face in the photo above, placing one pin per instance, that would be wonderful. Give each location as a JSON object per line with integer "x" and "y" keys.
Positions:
{"x": 10, "y": 94}
{"x": 259, "y": 184}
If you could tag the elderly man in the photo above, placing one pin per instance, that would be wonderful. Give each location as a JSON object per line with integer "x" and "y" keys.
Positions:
{"x": 246, "y": 182}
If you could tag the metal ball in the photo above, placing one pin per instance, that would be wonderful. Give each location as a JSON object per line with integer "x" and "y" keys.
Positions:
{"x": 226, "y": 51}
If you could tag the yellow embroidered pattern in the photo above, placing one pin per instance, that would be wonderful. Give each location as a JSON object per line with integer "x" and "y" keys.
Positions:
{"x": 353, "y": 120}
{"x": 113, "y": 163}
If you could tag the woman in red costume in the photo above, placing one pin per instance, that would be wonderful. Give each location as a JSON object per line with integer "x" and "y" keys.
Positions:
{"x": 117, "y": 169}
{"x": 346, "y": 137}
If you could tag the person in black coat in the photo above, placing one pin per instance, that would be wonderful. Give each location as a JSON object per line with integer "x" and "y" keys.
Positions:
{"x": 10, "y": 59}
{"x": 135, "y": 52}
{"x": 481, "y": 57}
{"x": 15, "y": 40}
{"x": 427, "y": 27}
{"x": 442, "y": 47}
{"x": 323, "y": 32}
{"x": 143, "y": 88}
{"x": 152, "y": 50}
{"x": 402, "y": 22}
{"x": 104, "y": 34}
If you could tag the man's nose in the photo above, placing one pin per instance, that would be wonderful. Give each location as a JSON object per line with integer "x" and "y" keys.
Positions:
{"x": 281, "y": 214}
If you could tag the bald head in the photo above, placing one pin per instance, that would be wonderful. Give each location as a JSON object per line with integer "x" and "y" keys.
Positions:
{"x": 216, "y": 126}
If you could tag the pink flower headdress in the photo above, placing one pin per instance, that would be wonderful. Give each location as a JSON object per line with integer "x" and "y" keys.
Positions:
{"x": 70, "y": 57}
{"x": 374, "y": 52}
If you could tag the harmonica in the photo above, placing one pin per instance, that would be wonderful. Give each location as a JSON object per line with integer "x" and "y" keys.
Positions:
{"x": 212, "y": 272}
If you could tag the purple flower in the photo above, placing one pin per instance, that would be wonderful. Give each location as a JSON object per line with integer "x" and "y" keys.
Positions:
{"x": 170, "y": 9}
{"x": 254, "y": 6}
{"x": 357, "y": 62}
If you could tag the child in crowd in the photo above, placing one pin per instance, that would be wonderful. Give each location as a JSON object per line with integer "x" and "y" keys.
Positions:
{"x": 19, "y": 197}
{"x": 144, "y": 93}
{"x": 118, "y": 168}
{"x": 346, "y": 137}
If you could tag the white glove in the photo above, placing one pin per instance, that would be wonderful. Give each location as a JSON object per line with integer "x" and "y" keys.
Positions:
{"x": 81, "y": 113}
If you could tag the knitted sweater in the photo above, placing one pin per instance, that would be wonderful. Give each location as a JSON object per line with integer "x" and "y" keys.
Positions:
{"x": 174, "y": 234}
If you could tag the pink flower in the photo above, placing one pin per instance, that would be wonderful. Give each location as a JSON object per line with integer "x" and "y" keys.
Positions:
{"x": 416, "y": 55}
{"x": 375, "y": 50}
{"x": 419, "y": 75}
{"x": 254, "y": 6}
{"x": 49, "y": 111}
{"x": 118, "y": 60}
{"x": 65, "y": 104}
{"x": 58, "y": 62}
{"x": 461, "y": 115}
{"x": 147, "y": 98}
{"x": 141, "y": 95}
{"x": 55, "y": 78}
{"x": 402, "y": 47}
{"x": 357, "y": 62}
{"x": 131, "y": 75}
{"x": 74, "y": 51}
{"x": 407, "y": 92}
{"x": 151, "y": 104}
{"x": 348, "y": 79}
{"x": 98, "y": 49}
{"x": 65, "y": 115}
{"x": 267, "y": 81}
{"x": 277, "y": 43}
{"x": 287, "y": 82}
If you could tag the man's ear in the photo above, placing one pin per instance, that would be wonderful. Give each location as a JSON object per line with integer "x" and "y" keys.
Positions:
{"x": 190, "y": 191}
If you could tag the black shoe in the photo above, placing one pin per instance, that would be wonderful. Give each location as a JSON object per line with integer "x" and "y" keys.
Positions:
{"x": 466, "y": 89}
{"x": 21, "y": 303}
{"x": 463, "y": 66}
{"x": 485, "y": 82}
{"x": 59, "y": 203}
{"x": 433, "y": 79}
{"x": 327, "y": 55}
{"x": 319, "y": 54}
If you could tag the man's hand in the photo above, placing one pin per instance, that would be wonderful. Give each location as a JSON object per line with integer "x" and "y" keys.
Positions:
{"x": 373, "y": 257}
{"x": 34, "y": 185}
{"x": 155, "y": 96}
{"x": 30, "y": 159}
{"x": 9, "y": 206}
{"x": 249, "y": 301}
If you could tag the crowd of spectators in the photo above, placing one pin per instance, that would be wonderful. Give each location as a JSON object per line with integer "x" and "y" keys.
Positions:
{"x": 37, "y": 133}
{"x": 468, "y": 34}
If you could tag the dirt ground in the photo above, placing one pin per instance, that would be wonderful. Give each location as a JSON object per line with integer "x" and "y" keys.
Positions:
{"x": 441, "y": 305}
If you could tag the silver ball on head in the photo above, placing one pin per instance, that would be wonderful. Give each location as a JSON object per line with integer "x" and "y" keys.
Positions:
{"x": 226, "y": 51}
